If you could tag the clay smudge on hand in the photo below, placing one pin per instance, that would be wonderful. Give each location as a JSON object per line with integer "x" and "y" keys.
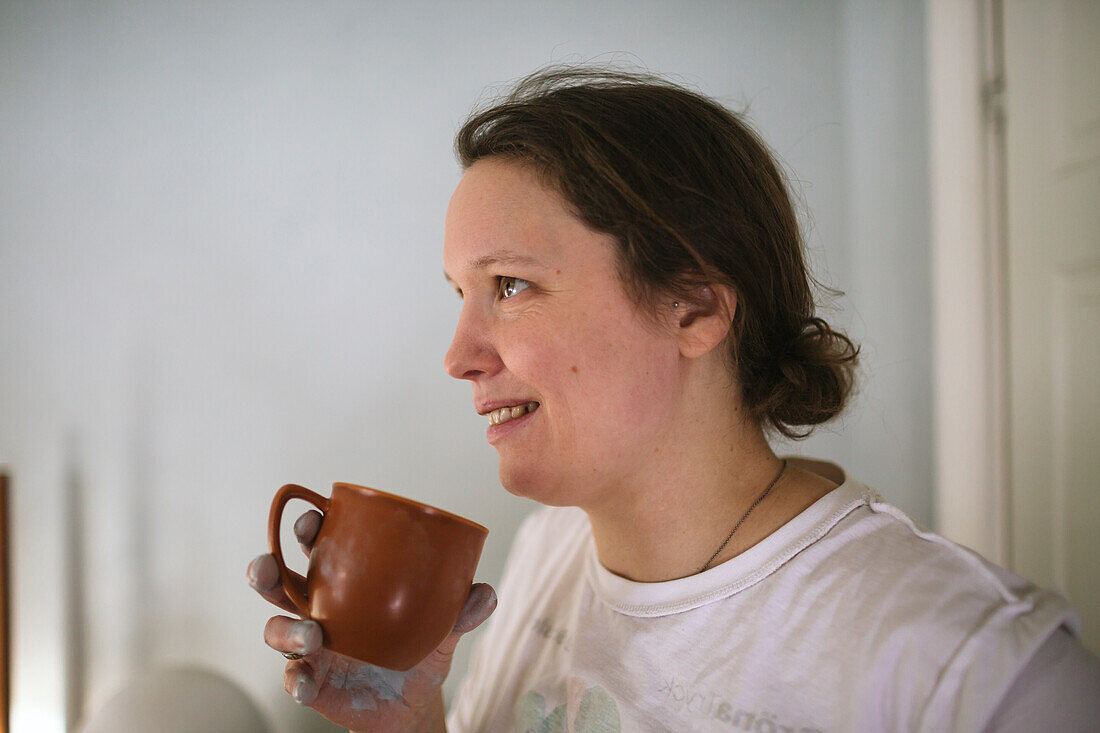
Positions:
{"x": 367, "y": 685}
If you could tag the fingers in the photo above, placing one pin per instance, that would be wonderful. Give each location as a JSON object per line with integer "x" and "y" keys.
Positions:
{"x": 300, "y": 683}
{"x": 480, "y": 603}
{"x": 263, "y": 572}
{"x": 296, "y": 637}
{"x": 291, "y": 635}
{"x": 306, "y": 528}
{"x": 263, "y": 576}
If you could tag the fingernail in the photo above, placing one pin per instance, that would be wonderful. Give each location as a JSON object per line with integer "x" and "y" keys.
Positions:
{"x": 300, "y": 525}
{"x": 302, "y": 635}
{"x": 252, "y": 579}
{"x": 262, "y": 576}
{"x": 301, "y": 688}
{"x": 298, "y": 637}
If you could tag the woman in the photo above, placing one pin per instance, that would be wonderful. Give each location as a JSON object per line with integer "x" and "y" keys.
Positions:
{"x": 636, "y": 319}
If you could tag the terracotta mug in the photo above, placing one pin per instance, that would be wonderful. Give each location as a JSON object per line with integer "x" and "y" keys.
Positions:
{"x": 387, "y": 576}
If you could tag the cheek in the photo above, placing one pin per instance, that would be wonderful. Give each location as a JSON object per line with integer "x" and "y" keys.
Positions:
{"x": 615, "y": 384}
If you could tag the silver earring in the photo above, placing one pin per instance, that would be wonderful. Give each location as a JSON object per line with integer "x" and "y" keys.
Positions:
{"x": 675, "y": 304}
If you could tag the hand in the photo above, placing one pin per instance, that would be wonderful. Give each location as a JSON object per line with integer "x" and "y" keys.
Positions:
{"x": 353, "y": 694}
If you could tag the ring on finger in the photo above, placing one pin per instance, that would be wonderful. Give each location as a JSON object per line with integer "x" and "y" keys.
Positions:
{"x": 292, "y": 656}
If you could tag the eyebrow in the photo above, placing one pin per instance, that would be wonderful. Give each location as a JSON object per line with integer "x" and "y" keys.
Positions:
{"x": 504, "y": 257}
{"x": 501, "y": 257}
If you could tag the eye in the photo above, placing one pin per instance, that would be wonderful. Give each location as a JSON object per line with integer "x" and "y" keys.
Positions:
{"x": 509, "y": 286}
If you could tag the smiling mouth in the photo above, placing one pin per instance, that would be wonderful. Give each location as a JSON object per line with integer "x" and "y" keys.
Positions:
{"x": 504, "y": 414}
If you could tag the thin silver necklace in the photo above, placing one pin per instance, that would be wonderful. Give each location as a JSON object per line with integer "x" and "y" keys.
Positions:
{"x": 745, "y": 516}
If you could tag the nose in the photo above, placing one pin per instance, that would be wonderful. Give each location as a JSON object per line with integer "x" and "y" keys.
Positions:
{"x": 471, "y": 354}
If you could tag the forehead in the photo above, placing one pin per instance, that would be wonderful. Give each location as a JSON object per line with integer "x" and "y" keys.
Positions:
{"x": 502, "y": 206}
{"x": 503, "y": 182}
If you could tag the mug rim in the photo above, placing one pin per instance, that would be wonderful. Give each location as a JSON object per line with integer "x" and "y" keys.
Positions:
{"x": 419, "y": 505}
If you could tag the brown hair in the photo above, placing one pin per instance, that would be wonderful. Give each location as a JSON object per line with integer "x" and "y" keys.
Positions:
{"x": 692, "y": 196}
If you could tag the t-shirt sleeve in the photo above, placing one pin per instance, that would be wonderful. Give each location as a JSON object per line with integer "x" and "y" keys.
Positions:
{"x": 1058, "y": 689}
{"x": 991, "y": 657}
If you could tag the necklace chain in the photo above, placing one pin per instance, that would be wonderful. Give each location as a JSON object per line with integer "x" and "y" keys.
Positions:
{"x": 745, "y": 516}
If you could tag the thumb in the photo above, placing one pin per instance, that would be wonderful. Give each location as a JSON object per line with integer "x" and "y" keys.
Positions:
{"x": 480, "y": 603}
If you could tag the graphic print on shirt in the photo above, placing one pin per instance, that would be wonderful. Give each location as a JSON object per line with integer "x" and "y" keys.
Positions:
{"x": 559, "y": 635}
{"x": 585, "y": 710}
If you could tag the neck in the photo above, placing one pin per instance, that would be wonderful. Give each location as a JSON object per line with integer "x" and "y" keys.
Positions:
{"x": 678, "y": 509}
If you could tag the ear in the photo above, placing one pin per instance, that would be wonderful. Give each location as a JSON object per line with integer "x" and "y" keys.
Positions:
{"x": 703, "y": 323}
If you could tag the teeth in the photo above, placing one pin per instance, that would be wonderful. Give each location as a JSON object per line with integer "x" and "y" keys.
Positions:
{"x": 504, "y": 414}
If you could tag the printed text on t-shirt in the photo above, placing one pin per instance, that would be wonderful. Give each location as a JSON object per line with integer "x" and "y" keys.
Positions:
{"x": 692, "y": 703}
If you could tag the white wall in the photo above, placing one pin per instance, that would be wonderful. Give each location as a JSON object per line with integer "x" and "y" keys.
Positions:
{"x": 220, "y": 228}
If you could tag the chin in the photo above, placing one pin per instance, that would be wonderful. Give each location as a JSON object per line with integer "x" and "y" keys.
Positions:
{"x": 536, "y": 485}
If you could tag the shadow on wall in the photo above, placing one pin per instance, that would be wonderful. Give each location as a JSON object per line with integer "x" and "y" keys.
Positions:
{"x": 179, "y": 700}
{"x": 191, "y": 698}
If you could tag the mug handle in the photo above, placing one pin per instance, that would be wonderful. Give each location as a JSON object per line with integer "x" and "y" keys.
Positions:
{"x": 274, "y": 522}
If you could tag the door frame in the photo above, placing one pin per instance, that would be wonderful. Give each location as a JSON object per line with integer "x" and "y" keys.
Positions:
{"x": 969, "y": 275}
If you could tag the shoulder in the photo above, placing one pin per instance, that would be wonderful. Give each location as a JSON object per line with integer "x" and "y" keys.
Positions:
{"x": 915, "y": 576}
{"x": 965, "y": 626}
{"x": 877, "y": 545}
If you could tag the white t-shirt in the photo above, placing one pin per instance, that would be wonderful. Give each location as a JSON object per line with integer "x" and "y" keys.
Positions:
{"x": 847, "y": 618}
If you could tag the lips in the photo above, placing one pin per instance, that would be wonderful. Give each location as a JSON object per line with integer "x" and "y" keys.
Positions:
{"x": 504, "y": 414}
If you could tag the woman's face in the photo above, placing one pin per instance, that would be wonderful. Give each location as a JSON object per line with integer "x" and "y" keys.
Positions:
{"x": 581, "y": 385}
